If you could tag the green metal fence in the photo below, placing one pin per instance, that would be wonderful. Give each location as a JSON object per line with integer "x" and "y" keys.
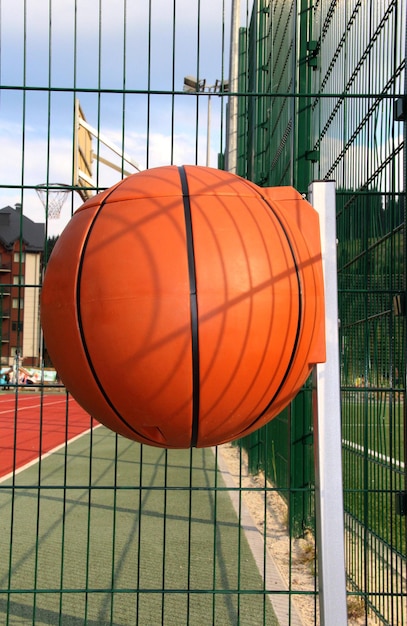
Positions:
{"x": 284, "y": 451}
{"x": 371, "y": 183}
{"x": 337, "y": 113}
{"x": 96, "y": 529}
{"x": 104, "y": 531}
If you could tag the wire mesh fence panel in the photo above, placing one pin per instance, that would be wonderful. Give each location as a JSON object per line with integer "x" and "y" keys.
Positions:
{"x": 104, "y": 531}
{"x": 341, "y": 123}
{"x": 367, "y": 165}
{"x": 99, "y": 529}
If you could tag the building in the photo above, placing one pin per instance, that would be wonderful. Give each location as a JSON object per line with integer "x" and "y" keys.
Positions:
{"x": 21, "y": 248}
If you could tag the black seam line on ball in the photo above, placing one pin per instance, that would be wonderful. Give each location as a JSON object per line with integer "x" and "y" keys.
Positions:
{"x": 300, "y": 310}
{"x": 81, "y": 329}
{"x": 193, "y": 306}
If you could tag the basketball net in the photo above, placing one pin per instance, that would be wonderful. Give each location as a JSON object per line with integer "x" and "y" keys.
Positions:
{"x": 53, "y": 196}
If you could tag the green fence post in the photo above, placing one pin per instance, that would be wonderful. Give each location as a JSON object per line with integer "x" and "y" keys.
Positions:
{"x": 302, "y": 155}
{"x": 301, "y": 463}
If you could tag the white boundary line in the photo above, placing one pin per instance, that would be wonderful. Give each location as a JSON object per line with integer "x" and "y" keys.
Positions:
{"x": 286, "y": 614}
{"x": 374, "y": 455}
{"x": 46, "y": 454}
{"x": 23, "y": 407}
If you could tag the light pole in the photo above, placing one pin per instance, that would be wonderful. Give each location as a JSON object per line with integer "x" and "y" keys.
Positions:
{"x": 194, "y": 85}
{"x": 231, "y": 119}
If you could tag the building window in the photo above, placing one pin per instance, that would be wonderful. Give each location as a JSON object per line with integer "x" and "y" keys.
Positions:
{"x": 18, "y": 303}
{"x": 18, "y": 280}
{"x": 19, "y": 256}
{"x": 17, "y": 326}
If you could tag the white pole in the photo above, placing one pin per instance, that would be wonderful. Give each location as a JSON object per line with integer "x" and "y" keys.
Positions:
{"x": 231, "y": 121}
{"x": 327, "y": 428}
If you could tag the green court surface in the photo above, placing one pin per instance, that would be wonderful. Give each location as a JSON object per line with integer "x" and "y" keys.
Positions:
{"x": 154, "y": 540}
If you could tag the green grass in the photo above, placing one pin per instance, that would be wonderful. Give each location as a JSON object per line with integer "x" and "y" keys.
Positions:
{"x": 374, "y": 420}
{"x": 373, "y": 453}
{"x": 152, "y": 542}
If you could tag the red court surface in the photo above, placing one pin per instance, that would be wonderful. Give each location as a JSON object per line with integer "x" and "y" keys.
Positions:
{"x": 32, "y": 425}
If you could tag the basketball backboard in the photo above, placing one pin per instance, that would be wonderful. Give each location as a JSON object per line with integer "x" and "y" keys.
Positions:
{"x": 83, "y": 155}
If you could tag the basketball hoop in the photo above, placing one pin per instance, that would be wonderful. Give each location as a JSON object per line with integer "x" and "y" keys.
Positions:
{"x": 53, "y": 196}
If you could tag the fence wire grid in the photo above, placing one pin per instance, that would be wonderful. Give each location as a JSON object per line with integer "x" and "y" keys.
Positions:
{"x": 95, "y": 528}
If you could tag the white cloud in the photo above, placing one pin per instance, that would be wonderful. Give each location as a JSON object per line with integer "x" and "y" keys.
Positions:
{"x": 33, "y": 164}
{"x": 117, "y": 48}
{"x": 112, "y": 37}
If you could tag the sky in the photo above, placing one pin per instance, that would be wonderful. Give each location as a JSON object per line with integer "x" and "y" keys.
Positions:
{"x": 53, "y": 51}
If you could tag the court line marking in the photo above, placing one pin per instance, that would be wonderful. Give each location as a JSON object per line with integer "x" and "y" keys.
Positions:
{"x": 284, "y": 608}
{"x": 30, "y": 406}
{"x": 46, "y": 454}
{"x": 373, "y": 454}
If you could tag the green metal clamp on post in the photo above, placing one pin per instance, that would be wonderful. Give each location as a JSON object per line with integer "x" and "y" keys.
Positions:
{"x": 401, "y": 503}
{"x": 400, "y": 109}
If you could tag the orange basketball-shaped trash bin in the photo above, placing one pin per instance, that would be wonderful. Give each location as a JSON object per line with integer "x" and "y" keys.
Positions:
{"x": 184, "y": 306}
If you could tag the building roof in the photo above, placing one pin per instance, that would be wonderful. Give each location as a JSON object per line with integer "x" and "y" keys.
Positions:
{"x": 12, "y": 223}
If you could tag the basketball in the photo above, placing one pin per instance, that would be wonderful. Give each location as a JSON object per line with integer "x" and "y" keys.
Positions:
{"x": 184, "y": 306}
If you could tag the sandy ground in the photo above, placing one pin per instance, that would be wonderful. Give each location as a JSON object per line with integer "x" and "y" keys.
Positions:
{"x": 294, "y": 561}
